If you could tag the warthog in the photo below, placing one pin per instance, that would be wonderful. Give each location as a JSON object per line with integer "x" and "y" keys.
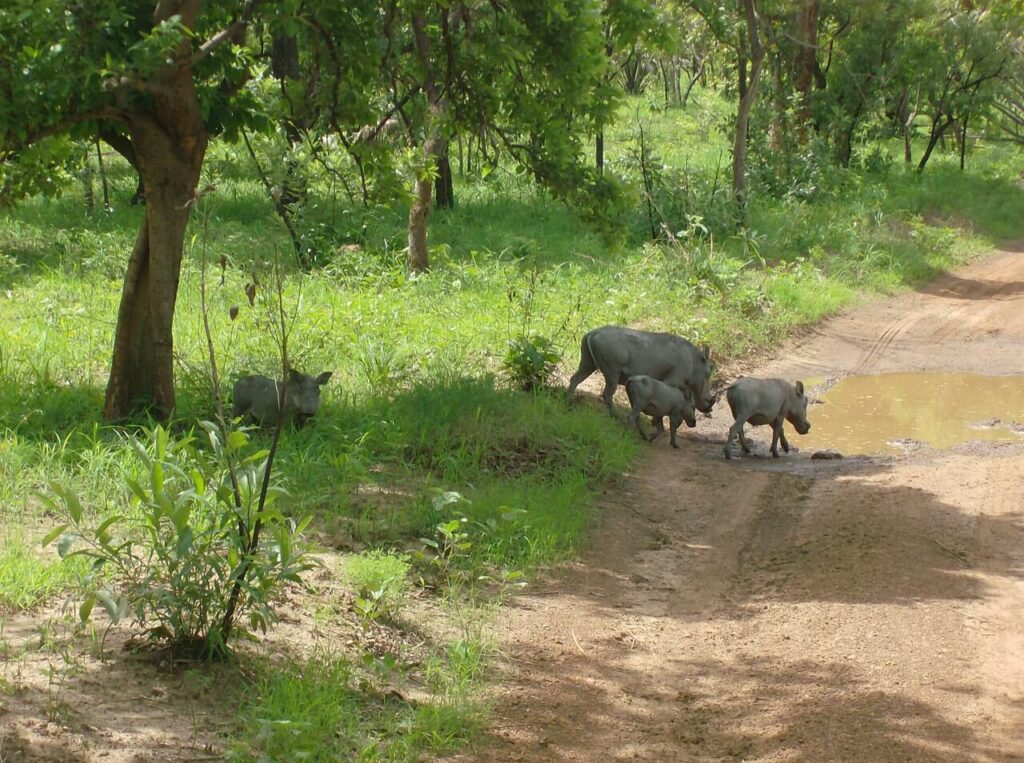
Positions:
{"x": 766, "y": 401}
{"x": 257, "y": 397}
{"x": 657, "y": 399}
{"x": 619, "y": 353}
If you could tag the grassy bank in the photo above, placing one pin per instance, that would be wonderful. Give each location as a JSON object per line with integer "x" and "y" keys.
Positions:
{"x": 419, "y": 427}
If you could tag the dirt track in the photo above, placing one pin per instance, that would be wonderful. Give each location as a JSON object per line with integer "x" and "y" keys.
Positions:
{"x": 867, "y": 609}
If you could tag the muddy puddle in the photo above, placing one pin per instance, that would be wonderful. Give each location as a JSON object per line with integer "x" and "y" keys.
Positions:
{"x": 894, "y": 413}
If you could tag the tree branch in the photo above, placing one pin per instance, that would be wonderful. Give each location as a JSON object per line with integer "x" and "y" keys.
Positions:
{"x": 120, "y": 143}
{"x": 232, "y": 33}
{"x": 97, "y": 115}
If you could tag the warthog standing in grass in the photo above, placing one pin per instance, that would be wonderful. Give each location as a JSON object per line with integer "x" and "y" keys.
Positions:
{"x": 657, "y": 399}
{"x": 619, "y": 353}
{"x": 766, "y": 401}
{"x": 257, "y": 397}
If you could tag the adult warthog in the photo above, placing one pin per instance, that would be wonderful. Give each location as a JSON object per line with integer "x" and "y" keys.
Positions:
{"x": 619, "y": 352}
{"x": 259, "y": 397}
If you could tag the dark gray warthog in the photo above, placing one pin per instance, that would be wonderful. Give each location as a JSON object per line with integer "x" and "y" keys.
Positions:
{"x": 256, "y": 397}
{"x": 766, "y": 401}
{"x": 657, "y": 399}
{"x": 619, "y": 353}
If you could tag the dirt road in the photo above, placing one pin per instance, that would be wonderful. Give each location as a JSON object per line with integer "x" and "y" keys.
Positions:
{"x": 865, "y": 609}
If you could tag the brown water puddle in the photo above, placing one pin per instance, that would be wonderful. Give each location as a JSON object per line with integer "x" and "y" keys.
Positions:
{"x": 890, "y": 412}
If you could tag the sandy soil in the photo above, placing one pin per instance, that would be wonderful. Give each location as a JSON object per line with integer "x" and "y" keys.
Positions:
{"x": 864, "y": 609}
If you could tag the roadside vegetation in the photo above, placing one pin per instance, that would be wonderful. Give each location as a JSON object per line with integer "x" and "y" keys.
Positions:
{"x": 444, "y": 468}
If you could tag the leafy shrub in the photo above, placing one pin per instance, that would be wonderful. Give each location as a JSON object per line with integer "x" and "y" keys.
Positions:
{"x": 183, "y": 560}
{"x": 805, "y": 172}
{"x": 381, "y": 579}
{"x": 875, "y": 160}
{"x": 530, "y": 361}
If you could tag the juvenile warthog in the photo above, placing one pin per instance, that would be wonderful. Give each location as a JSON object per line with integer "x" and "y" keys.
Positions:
{"x": 619, "y": 353}
{"x": 657, "y": 399}
{"x": 257, "y": 397}
{"x": 766, "y": 401}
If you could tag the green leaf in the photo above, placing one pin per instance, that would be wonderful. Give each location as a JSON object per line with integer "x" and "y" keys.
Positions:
{"x": 86, "y": 608}
{"x": 110, "y": 605}
{"x": 237, "y": 440}
{"x": 302, "y": 524}
{"x": 106, "y": 523}
{"x": 136, "y": 489}
{"x": 181, "y": 516}
{"x": 50, "y": 536}
{"x": 64, "y": 545}
{"x": 74, "y": 506}
{"x": 184, "y": 541}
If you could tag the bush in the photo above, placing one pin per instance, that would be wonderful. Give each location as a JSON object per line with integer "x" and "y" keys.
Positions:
{"x": 530, "y": 361}
{"x": 183, "y": 561}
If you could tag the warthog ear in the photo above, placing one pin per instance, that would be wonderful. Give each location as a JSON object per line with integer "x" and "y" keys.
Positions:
{"x": 706, "y": 352}
{"x": 322, "y": 378}
{"x": 799, "y": 388}
{"x": 293, "y": 375}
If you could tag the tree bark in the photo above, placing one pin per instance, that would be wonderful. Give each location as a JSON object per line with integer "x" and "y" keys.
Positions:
{"x": 103, "y": 176}
{"x": 169, "y": 139}
{"x": 908, "y": 125}
{"x": 698, "y": 72}
{"x": 748, "y": 89}
{"x": 938, "y": 128}
{"x": 418, "y": 258}
{"x": 806, "y": 63}
{"x": 444, "y": 189}
{"x": 778, "y": 125}
{"x": 963, "y": 141}
{"x": 599, "y": 150}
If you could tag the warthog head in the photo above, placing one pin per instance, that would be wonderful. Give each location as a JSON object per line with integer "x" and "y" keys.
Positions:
{"x": 302, "y": 397}
{"x": 797, "y": 414}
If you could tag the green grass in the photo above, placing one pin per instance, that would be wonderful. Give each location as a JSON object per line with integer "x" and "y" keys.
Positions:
{"x": 417, "y": 407}
{"x": 322, "y": 710}
{"x": 28, "y": 576}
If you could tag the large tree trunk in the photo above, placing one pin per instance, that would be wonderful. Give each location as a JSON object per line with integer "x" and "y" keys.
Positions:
{"x": 434, "y": 147}
{"x": 169, "y": 142}
{"x": 778, "y": 126}
{"x": 806, "y": 62}
{"x": 748, "y": 89}
{"x": 418, "y": 258}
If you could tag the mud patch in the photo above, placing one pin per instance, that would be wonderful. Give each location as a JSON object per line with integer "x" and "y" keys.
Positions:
{"x": 882, "y": 414}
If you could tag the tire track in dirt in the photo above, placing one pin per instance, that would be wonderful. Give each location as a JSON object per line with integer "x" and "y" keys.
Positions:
{"x": 884, "y": 341}
{"x": 777, "y": 610}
